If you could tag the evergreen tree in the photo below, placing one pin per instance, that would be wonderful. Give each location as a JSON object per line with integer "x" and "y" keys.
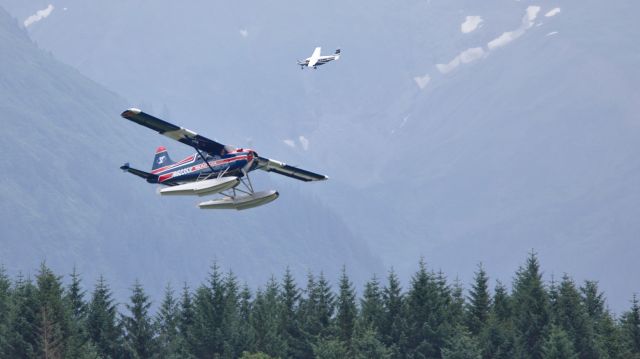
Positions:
{"x": 23, "y": 322}
{"x": 393, "y": 326}
{"x": 630, "y": 330}
{"x": 502, "y": 303}
{"x": 461, "y": 346}
{"x": 366, "y": 345}
{"x": 372, "y": 306}
{"x": 572, "y": 317}
{"x": 497, "y": 341}
{"x": 429, "y": 324}
{"x": 203, "y": 332}
{"x": 266, "y": 321}
{"x": 558, "y": 345}
{"x": 289, "y": 317}
{"x": 479, "y": 302}
{"x": 230, "y": 325}
{"x": 607, "y": 341}
{"x": 325, "y": 304}
{"x": 166, "y": 326}
{"x": 452, "y": 300}
{"x": 608, "y": 338}
{"x": 139, "y": 333}
{"x": 553, "y": 295}
{"x": 346, "y": 310}
{"x": 186, "y": 316}
{"x": 5, "y": 310}
{"x": 78, "y": 345}
{"x": 258, "y": 355}
{"x": 75, "y": 298}
{"x": 209, "y": 303}
{"x": 456, "y": 303}
{"x": 330, "y": 348}
{"x": 531, "y": 310}
{"x": 52, "y": 322}
{"x": 593, "y": 300}
{"x": 102, "y": 327}
{"x": 599, "y": 321}
{"x": 317, "y": 309}
{"x": 247, "y": 332}
{"x": 316, "y": 312}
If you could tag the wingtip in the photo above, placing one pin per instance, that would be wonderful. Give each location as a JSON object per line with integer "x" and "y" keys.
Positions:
{"x": 131, "y": 111}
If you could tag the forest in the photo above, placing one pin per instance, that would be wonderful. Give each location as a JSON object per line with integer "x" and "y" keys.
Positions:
{"x": 433, "y": 317}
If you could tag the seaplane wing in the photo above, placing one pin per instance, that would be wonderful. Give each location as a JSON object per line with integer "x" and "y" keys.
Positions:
{"x": 177, "y": 133}
{"x": 278, "y": 167}
{"x": 314, "y": 57}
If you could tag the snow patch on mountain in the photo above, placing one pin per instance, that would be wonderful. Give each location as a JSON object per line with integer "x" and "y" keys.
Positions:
{"x": 552, "y": 12}
{"x": 39, "y": 15}
{"x": 422, "y": 81}
{"x": 304, "y": 142}
{"x": 465, "y": 57}
{"x": 244, "y": 33}
{"x": 509, "y": 36}
{"x": 470, "y": 24}
{"x": 289, "y": 142}
{"x": 404, "y": 122}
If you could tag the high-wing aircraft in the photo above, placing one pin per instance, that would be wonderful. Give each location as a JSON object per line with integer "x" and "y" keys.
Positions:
{"x": 214, "y": 168}
{"x": 316, "y": 59}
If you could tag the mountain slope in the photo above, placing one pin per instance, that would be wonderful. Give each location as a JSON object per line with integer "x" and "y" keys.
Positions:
{"x": 461, "y": 146}
{"x": 63, "y": 199}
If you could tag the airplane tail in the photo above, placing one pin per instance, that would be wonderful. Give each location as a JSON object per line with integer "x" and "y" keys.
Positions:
{"x": 151, "y": 178}
{"x": 161, "y": 159}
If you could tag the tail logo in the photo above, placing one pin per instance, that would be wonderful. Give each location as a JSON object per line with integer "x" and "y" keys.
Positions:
{"x": 161, "y": 160}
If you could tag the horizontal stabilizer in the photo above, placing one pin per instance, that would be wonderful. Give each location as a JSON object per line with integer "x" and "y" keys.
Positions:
{"x": 151, "y": 178}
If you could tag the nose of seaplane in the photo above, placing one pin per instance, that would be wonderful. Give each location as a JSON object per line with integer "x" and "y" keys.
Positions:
{"x": 252, "y": 156}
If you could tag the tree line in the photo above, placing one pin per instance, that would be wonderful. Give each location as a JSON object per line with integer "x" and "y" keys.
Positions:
{"x": 432, "y": 318}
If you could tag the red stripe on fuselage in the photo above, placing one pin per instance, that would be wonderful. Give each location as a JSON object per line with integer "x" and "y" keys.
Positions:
{"x": 165, "y": 168}
{"x": 199, "y": 167}
{"x": 165, "y": 177}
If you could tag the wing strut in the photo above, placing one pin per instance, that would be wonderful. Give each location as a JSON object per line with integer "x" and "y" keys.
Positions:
{"x": 204, "y": 158}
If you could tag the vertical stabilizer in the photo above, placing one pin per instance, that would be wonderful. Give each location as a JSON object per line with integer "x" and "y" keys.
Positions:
{"x": 161, "y": 159}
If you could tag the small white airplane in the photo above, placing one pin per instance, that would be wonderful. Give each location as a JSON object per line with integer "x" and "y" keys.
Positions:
{"x": 316, "y": 60}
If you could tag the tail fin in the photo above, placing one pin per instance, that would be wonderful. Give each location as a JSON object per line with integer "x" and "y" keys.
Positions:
{"x": 337, "y": 52}
{"x": 161, "y": 159}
